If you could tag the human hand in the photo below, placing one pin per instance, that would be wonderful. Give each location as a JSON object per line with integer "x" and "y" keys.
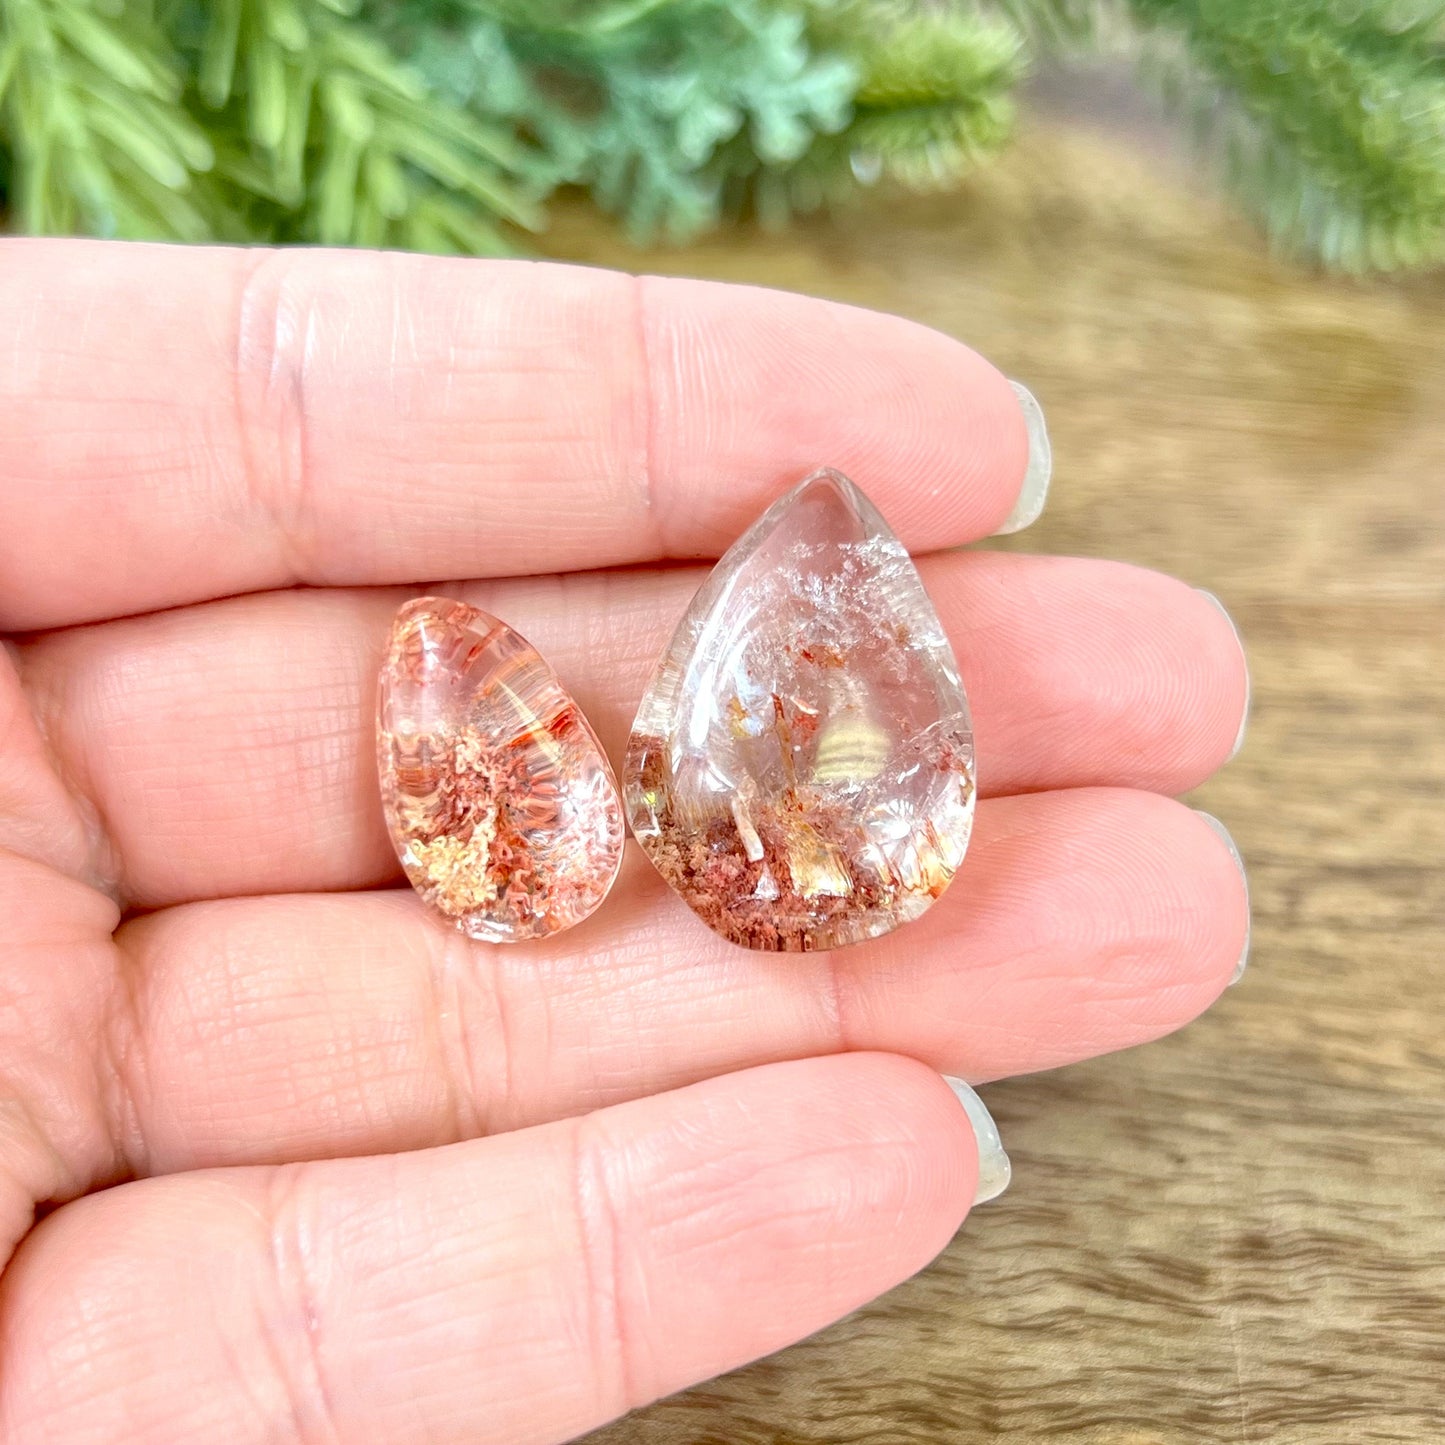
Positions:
{"x": 374, "y": 1182}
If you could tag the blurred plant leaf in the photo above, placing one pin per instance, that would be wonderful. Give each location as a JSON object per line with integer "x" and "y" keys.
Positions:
{"x": 445, "y": 124}
{"x": 1327, "y": 117}
{"x": 91, "y": 116}
{"x": 346, "y": 141}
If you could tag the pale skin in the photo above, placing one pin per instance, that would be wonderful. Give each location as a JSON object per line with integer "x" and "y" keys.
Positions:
{"x": 282, "y": 1159}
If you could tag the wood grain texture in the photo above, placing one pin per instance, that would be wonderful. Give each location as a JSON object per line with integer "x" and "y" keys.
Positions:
{"x": 1234, "y": 1235}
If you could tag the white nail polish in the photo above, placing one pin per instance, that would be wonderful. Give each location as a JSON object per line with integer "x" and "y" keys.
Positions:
{"x": 1035, "y": 489}
{"x": 1244, "y": 721}
{"x": 1229, "y": 843}
{"x": 994, "y": 1169}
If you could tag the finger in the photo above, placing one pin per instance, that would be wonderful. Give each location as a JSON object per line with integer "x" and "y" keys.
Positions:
{"x": 261, "y": 1030}
{"x": 188, "y": 423}
{"x": 230, "y": 749}
{"x": 39, "y": 820}
{"x": 518, "y": 1289}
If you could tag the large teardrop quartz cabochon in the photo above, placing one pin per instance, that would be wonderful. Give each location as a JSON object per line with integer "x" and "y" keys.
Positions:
{"x": 500, "y": 801}
{"x": 801, "y": 768}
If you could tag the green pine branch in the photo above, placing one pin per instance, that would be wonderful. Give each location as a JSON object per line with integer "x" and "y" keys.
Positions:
{"x": 1328, "y": 117}
{"x": 932, "y": 99}
{"x": 445, "y": 124}
{"x": 341, "y": 143}
{"x": 936, "y": 94}
{"x": 92, "y": 120}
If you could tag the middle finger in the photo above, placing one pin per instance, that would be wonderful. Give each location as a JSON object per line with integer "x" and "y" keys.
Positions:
{"x": 229, "y": 747}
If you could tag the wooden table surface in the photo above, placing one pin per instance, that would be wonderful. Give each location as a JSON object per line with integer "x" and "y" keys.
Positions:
{"x": 1234, "y": 1235}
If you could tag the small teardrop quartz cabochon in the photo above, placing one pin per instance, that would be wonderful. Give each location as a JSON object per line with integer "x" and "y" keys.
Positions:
{"x": 500, "y": 801}
{"x": 801, "y": 768}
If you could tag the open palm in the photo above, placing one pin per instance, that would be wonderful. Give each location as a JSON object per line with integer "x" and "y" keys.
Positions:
{"x": 308, "y": 1166}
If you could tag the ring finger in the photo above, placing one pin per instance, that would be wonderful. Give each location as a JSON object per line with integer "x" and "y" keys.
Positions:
{"x": 262, "y": 1030}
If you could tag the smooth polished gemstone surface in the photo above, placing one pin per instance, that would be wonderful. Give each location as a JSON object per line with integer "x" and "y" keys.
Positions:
{"x": 501, "y": 803}
{"x": 801, "y": 768}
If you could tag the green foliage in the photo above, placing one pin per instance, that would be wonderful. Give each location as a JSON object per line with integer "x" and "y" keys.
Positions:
{"x": 445, "y": 124}
{"x": 931, "y": 96}
{"x": 1329, "y": 117}
{"x": 333, "y": 139}
{"x": 654, "y": 107}
{"x": 936, "y": 90}
{"x": 91, "y": 115}
{"x": 675, "y": 113}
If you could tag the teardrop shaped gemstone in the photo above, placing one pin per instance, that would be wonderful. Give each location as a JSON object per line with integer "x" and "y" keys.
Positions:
{"x": 801, "y": 768}
{"x": 500, "y": 801}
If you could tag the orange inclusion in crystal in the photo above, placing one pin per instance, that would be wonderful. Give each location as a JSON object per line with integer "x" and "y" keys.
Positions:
{"x": 801, "y": 768}
{"x": 500, "y": 802}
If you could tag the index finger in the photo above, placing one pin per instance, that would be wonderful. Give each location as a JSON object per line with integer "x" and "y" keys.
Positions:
{"x": 183, "y": 423}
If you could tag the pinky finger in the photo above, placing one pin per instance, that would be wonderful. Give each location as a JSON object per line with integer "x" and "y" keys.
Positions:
{"x": 522, "y": 1288}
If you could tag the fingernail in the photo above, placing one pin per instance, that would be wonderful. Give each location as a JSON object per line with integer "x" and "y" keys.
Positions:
{"x": 1041, "y": 465}
{"x": 1244, "y": 721}
{"x": 1223, "y": 832}
{"x": 994, "y": 1170}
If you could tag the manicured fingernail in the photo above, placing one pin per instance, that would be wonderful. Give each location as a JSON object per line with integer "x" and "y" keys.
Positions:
{"x": 994, "y": 1170}
{"x": 1238, "y": 863}
{"x": 1244, "y": 721}
{"x": 1041, "y": 465}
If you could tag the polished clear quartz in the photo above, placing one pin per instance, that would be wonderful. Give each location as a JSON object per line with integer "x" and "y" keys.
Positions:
{"x": 801, "y": 769}
{"x": 500, "y": 801}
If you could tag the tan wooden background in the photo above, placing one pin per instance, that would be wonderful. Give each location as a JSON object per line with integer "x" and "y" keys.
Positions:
{"x": 1238, "y": 1234}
